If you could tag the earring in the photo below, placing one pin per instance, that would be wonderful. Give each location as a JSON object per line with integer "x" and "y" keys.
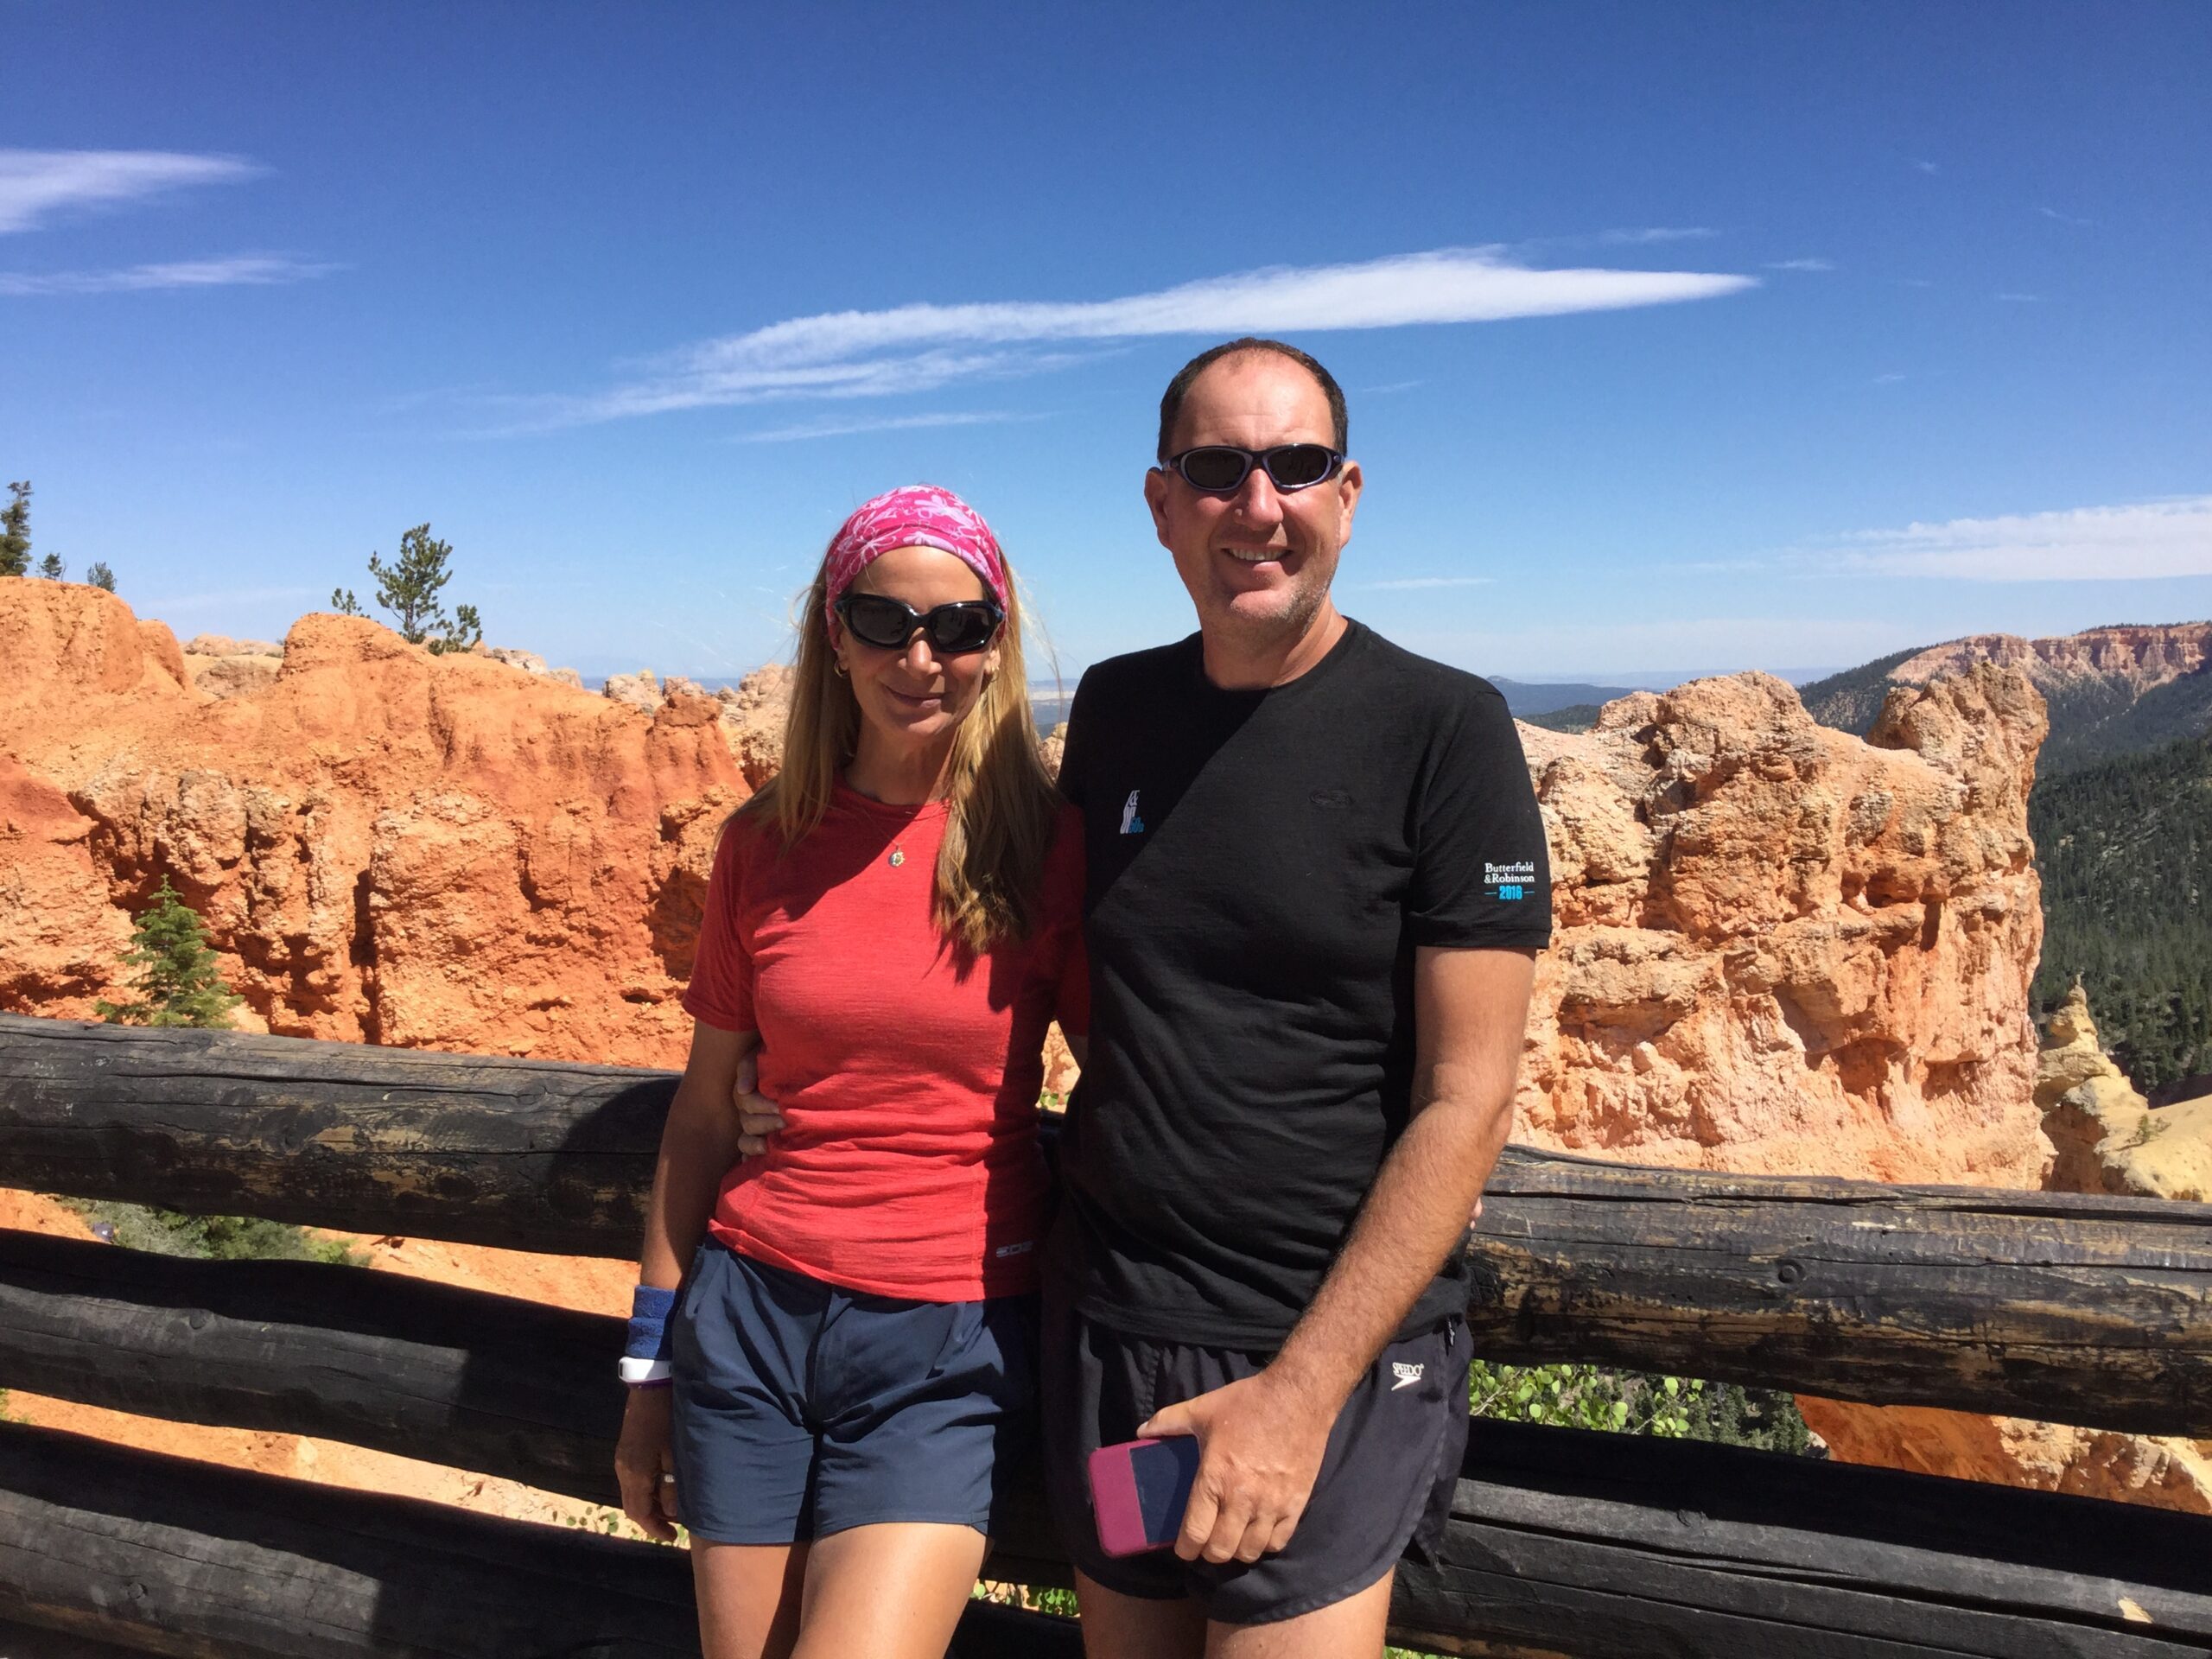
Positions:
{"x": 838, "y": 668}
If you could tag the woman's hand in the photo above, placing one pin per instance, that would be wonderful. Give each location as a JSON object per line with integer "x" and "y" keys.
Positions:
{"x": 646, "y": 1466}
{"x": 757, "y": 1116}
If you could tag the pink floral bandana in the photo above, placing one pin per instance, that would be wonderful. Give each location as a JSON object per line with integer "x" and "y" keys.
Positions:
{"x": 918, "y": 515}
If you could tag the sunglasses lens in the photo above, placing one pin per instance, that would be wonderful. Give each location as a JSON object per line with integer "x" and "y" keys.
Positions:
{"x": 1295, "y": 466}
{"x": 1215, "y": 468}
{"x": 956, "y": 630}
{"x": 878, "y": 621}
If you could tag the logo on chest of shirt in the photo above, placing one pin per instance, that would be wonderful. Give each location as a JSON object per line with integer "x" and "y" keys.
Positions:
{"x": 1131, "y": 823}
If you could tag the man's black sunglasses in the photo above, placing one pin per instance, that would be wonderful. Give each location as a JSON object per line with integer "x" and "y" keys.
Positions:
{"x": 955, "y": 630}
{"x": 1220, "y": 469}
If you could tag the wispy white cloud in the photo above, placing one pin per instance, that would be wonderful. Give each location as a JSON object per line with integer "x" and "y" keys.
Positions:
{"x": 1927, "y": 166}
{"x": 1802, "y": 264}
{"x": 35, "y": 183}
{"x": 896, "y": 424}
{"x": 1407, "y": 582}
{"x": 2019, "y": 299}
{"x": 1394, "y": 385}
{"x": 2148, "y": 541}
{"x": 1658, "y": 233}
{"x": 2064, "y": 219}
{"x": 1888, "y": 379}
{"x": 918, "y": 347}
{"x": 238, "y": 271}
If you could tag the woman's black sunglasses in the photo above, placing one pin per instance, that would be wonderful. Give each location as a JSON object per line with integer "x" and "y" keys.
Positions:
{"x": 955, "y": 630}
{"x": 1220, "y": 469}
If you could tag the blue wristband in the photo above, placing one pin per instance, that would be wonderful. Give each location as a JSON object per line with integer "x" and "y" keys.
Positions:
{"x": 650, "y": 1307}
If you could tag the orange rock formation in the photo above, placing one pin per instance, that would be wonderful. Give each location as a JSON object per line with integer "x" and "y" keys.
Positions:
{"x": 389, "y": 846}
{"x": 1781, "y": 948}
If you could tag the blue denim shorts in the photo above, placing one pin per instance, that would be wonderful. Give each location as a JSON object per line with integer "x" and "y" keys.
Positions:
{"x": 803, "y": 1408}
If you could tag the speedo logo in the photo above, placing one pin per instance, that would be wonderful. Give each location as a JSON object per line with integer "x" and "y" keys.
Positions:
{"x": 1407, "y": 1375}
{"x": 1022, "y": 1248}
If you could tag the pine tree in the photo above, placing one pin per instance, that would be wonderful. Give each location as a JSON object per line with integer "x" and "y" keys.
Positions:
{"x": 178, "y": 981}
{"x": 52, "y": 568}
{"x": 16, "y": 532}
{"x": 408, "y": 588}
{"x": 99, "y": 575}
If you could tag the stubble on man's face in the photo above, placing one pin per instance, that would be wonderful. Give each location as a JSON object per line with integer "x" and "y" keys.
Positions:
{"x": 1257, "y": 564}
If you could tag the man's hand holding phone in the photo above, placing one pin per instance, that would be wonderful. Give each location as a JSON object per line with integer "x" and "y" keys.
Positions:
{"x": 1261, "y": 1441}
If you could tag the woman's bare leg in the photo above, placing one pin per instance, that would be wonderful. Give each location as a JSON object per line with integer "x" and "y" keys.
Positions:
{"x": 749, "y": 1598}
{"x": 893, "y": 1591}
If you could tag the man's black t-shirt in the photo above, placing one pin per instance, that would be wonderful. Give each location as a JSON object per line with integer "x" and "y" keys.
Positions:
{"x": 1262, "y": 865}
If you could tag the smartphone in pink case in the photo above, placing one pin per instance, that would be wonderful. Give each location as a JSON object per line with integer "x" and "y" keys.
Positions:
{"x": 1138, "y": 1490}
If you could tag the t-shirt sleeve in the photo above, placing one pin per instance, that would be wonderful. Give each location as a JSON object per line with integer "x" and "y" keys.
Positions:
{"x": 720, "y": 991}
{"x": 1482, "y": 871}
{"x": 1063, "y": 925}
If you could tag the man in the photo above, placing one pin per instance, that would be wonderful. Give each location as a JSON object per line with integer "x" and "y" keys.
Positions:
{"x": 1316, "y": 884}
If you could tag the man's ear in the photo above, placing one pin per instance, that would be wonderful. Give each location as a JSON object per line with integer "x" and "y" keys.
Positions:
{"x": 1348, "y": 487}
{"x": 1155, "y": 497}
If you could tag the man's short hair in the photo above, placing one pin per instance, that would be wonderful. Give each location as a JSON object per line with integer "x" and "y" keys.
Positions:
{"x": 1171, "y": 405}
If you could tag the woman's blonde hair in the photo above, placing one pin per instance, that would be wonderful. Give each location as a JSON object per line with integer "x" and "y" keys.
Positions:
{"x": 1000, "y": 800}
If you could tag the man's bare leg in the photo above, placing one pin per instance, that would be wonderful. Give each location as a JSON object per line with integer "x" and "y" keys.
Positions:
{"x": 1351, "y": 1629}
{"x": 892, "y": 1591}
{"x": 748, "y": 1598}
{"x": 1116, "y": 1626}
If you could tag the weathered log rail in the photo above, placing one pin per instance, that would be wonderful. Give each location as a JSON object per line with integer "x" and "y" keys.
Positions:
{"x": 2095, "y": 1310}
{"x": 2089, "y": 1310}
{"x": 160, "y": 1554}
{"x": 1637, "y": 1545}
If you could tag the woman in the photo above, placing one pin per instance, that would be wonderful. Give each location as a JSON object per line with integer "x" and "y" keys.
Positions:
{"x": 890, "y": 923}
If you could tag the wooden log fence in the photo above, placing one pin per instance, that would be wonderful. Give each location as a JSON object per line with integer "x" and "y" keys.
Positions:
{"x": 2096, "y": 1311}
{"x": 2077, "y": 1309}
{"x": 1637, "y": 1546}
{"x": 168, "y": 1556}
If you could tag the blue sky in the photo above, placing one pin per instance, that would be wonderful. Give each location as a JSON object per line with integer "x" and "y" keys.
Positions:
{"x": 1677, "y": 337}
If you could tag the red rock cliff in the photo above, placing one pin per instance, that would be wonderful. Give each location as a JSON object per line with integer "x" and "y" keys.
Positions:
{"x": 389, "y": 846}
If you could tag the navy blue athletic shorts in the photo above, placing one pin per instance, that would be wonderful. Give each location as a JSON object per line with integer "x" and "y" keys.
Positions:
{"x": 802, "y": 1408}
{"x": 1386, "y": 1480}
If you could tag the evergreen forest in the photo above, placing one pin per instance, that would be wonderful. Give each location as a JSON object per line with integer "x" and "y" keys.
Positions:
{"x": 2124, "y": 846}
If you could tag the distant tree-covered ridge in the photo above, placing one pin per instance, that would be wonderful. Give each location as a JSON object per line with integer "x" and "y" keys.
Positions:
{"x": 2124, "y": 849}
{"x": 1849, "y": 701}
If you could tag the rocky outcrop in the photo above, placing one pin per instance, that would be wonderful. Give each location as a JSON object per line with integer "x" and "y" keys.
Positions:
{"x": 1780, "y": 948}
{"x": 2139, "y": 657}
{"x": 753, "y": 711}
{"x": 386, "y": 845}
{"x": 221, "y": 645}
{"x": 2107, "y": 1138}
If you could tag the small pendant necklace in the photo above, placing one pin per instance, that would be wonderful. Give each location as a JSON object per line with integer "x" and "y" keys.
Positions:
{"x": 898, "y": 855}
